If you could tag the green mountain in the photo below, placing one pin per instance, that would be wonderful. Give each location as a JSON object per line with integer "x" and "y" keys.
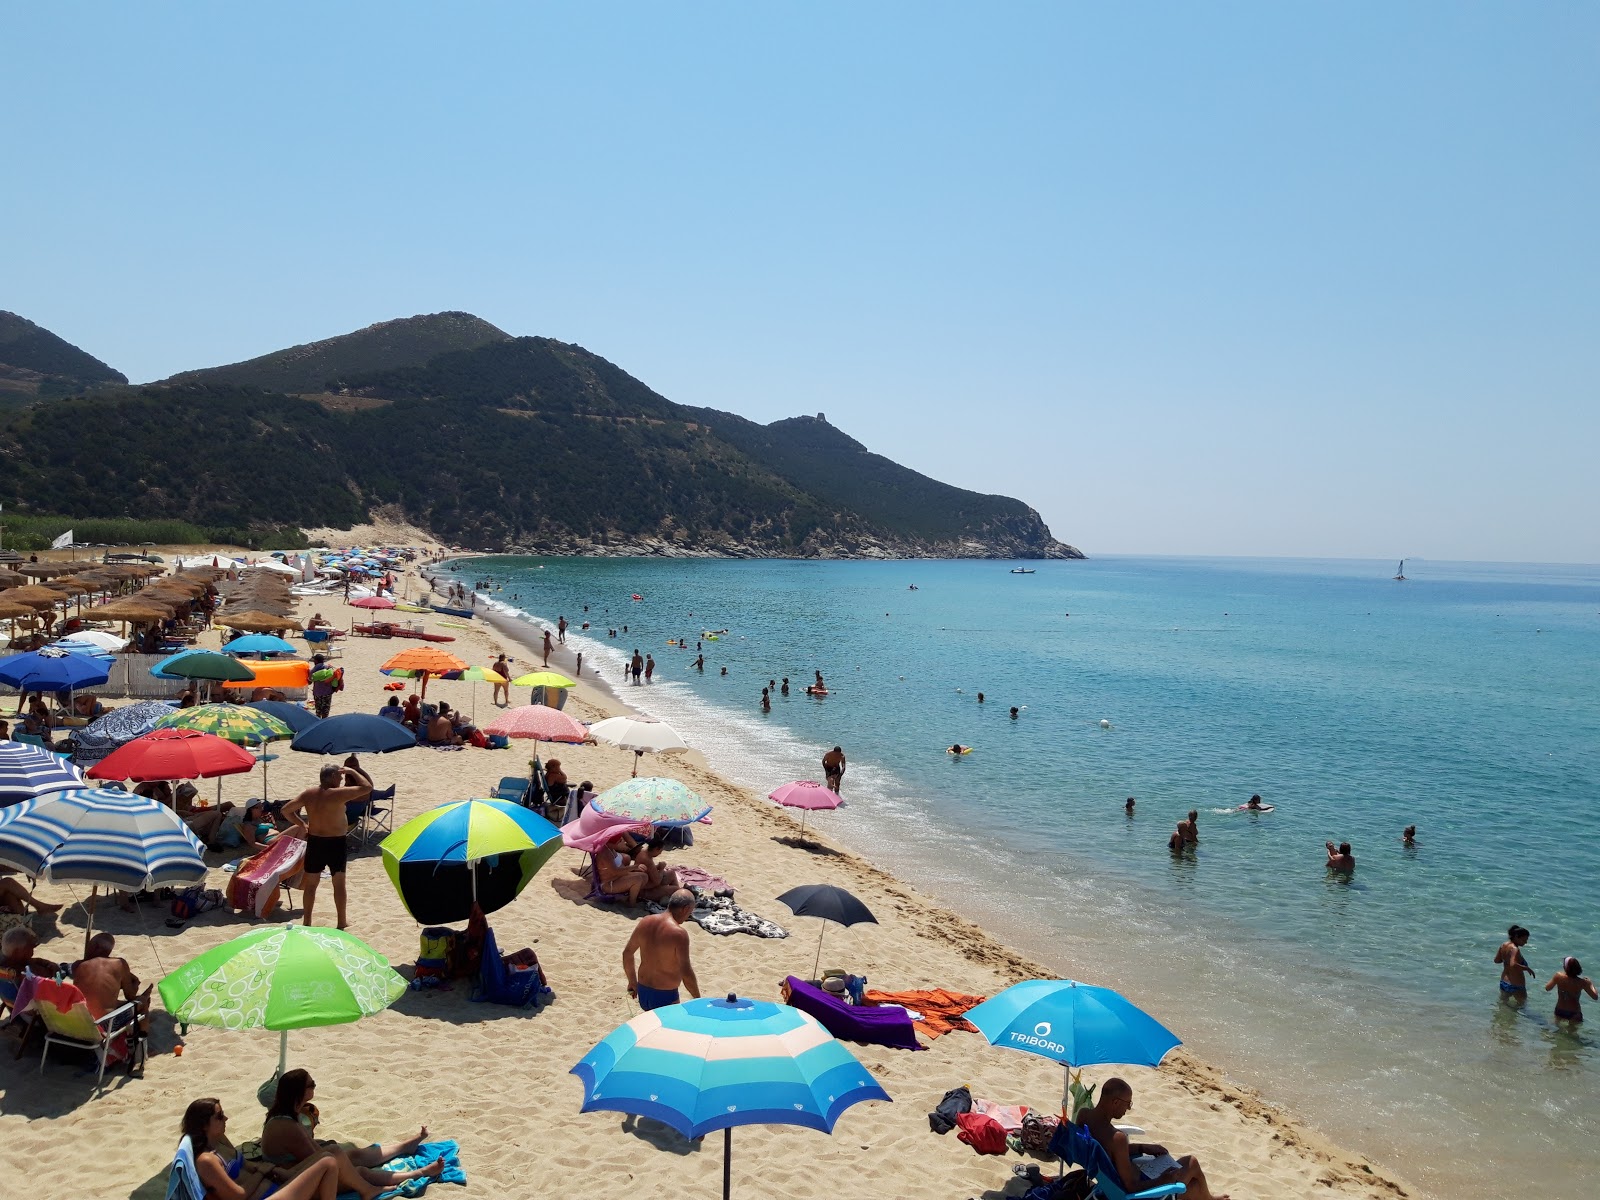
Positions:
{"x": 407, "y": 342}
{"x": 37, "y": 365}
{"x": 518, "y": 443}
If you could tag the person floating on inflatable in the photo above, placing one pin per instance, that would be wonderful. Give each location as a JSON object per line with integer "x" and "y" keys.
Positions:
{"x": 958, "y": 749}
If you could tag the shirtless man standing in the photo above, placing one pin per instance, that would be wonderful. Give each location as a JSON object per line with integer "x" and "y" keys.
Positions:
{"x": 1340, "y": 860}
{"x": 107, "y": 981}
{"x": 318, "y": 816}
{"x": 1116, "y": 1098}
{"x": 833, "y": 765}
{"x": 662, "y": 945}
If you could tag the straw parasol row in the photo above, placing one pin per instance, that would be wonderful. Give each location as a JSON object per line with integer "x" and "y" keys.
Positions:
{"x": 257, "y": 621}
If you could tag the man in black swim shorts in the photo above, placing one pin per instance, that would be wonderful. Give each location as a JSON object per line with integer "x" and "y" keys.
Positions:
{"x": 319, "y": 816}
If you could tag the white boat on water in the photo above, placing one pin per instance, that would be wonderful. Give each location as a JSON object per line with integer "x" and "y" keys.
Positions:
{"x": 1023, "y": 571}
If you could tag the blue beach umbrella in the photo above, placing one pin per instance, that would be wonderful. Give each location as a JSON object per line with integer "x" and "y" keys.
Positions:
{"x": 298, "y": 719}
{"x": 27, "y": 771}
{"x": 52, "y": 670}
{"x": 1073, "y": 1023}
{"x": 354, "y": 733}
{"x": 117, "y": 728}
{"x": 258, "y": 643}
{"x": 712, "y": 1064}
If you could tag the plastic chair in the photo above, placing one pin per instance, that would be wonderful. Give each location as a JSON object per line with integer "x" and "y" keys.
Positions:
{"x": 64, "y": 1012}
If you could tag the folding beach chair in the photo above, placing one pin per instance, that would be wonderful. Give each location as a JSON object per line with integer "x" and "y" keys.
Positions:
{"x": 183, "y": 1177}
{"x": 1077, "y": 1145}
{"x": 64, "y": 1012}
{"x": 365, "y": 820}
{"x": 511, "y": 788}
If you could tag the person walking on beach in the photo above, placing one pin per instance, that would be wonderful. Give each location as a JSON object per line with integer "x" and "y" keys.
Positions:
{"x": 1116, "y": 1100}
{"x": 561, "y": 630}
{"x": 547, "y": 647}
{"x": 1514, "y": 968}
{"x": 322, "y": 689}
{"x": 501, "y": 668}
{"x": 317, "y": 816}
{"x": 636, "y": 665}
{"x": 578, "y": 674}
{"x": 649, "y": 667}
{"x": 662, "y": 946}
{"x": 833, "y": 765}
{"x": 1340, "y": 860}
{"x": 1571, "y": 987}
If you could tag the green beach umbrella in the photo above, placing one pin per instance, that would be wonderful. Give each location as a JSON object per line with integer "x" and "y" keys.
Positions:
{"x": 237, "y": 723}
{"x": 282, "y": 977}
{"x": 482, "y": 852}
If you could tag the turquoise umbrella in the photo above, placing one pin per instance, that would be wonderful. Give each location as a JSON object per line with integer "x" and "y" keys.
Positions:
{"x": 652, "y": 799}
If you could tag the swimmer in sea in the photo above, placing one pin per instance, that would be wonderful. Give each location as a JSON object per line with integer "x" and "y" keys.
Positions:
{"x": 980, "y": 697}
{"x": 1408, "y": 838}
{"x": 958, "y": 749}
{"x": 1190, "y": 828}
{"x": 1514, "y": 968}
{"x": 819, "y": 685}
{"x": 724, "y": 670}
{"x": 766, "y": 700}
{"x": 1014, "y": 712}
{"x": 1254, "y": 803}
{"x": 1571, "y": 987}
{"x": 1340, "y": 860}
{"x": 785, "y": 688}
{"x": 1128, "y": 807}
{"x": 700, "y": 662}
{"x": 1177, "y": 842}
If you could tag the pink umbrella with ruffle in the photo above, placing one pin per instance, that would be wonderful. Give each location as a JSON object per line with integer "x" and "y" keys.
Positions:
{"x": 593, "y": 829}
{"x": 807, "y": 796}
{"x": 539, "y": 722}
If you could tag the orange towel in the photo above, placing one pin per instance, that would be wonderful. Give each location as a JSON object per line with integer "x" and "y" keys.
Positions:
{"x": 941, "y": 1010}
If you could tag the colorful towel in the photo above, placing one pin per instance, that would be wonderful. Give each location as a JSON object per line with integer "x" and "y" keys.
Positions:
{"x": 448, "y": 1152}
{"x": 702, "y": 881}
{"x": 941, "y": 1010}
{"x": 1009, "y": 1115}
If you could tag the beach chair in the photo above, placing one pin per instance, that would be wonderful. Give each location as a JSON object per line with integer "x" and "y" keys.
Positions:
{"x": 29, "y": 739}
{"x": 499, "y": 983}
{"x": 890, "y": 1025}
{"x": 64, "y": 1013}
{"x": 1075, "y": 1144}
{"x": 511, "y": 788}
{"x": 183, "y": 1177}
{"x": 365, "y": 820}
{"x": 255, "y": 885}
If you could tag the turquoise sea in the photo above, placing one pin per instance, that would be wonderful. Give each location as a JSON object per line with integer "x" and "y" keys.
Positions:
{"x": 1463, "y": 701}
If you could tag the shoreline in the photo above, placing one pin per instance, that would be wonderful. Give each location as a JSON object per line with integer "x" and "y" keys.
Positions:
{"x": 1206, "y": 1082}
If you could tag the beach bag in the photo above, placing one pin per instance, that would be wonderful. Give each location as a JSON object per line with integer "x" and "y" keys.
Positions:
{"x": 983, "y": 1133}
{"x": 1037, "y": 1130}
{"x": 436, "y": 955}
{"x": 499, "y": 741}
{"x": 193, "y": 901}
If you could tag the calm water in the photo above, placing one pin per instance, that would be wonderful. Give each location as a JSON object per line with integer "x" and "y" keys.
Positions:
{"x": 1462, "y": 701}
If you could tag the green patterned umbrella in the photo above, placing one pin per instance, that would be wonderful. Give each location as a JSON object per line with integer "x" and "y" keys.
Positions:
{"x": 238, "y": 723}
{"x": 282, "y": 977}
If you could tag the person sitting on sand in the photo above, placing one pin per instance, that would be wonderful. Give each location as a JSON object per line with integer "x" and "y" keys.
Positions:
{"x": 14, "y": 898}
{"x": 1571, "y": 987}
{"x": 441, "y": 730}
{"x": 660, "y": 881}
{"x": 286, "y": 1141}
{"x": 617, "y": 875}
{"x": 662, "y": 946}
{"x": 188, "y": 698}
{"x": 412, "y": 712}
{"x": 1340, "y": 860}
{"x": 391, "y": 711}
{"x": 1514, "y": 968}
{"x": 202, "y": 822}
{"x": 106, "y": 981}
{"x": 206, "y": 1126}
{"x": 87, "y": 706}
{"x": 1116, "y": 1099}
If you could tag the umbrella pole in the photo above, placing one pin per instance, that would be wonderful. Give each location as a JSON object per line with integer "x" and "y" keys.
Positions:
{"x": 283, "y": 1053}
{"x": 94, "y": 893}
{"x": 637, "y": 755}
{"x": 727, "y": 1162}
{"x": 804, "y": 813}
{"x": 818, "y": 963}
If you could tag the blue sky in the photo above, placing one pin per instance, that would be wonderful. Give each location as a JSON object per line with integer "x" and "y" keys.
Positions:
{"x": 1279, "y": 279}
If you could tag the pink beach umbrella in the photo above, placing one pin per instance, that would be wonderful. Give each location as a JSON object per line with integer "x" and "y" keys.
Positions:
{"x": 372, "y": 602}
{"x": 539, "y": 722}
{"x": 807, "y": 796}
{"x": 593, "y": 829}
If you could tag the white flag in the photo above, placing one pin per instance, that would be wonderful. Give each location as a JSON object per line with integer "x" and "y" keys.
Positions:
{"x": 62, "y": 542}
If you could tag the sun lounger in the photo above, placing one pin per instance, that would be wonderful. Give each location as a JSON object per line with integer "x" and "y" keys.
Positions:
{"x": 254, "y": 886}
{"x": 853, "y": 1023}
{"x": 64, "y": 1012}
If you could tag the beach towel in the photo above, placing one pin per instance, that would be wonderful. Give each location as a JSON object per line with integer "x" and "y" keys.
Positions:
{"x": 719, "y": 914}
{"x": 1009, "y": 1115}
{"x": 254, "y": 886}
{"x": 982, "y": 1133}
{"x": 941, "y": 1010}
{"x": 702, "y": 881}
{"x": 448, "y": 1152}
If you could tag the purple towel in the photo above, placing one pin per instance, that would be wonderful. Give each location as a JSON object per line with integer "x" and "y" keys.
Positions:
{"x": 864, "y": 1023}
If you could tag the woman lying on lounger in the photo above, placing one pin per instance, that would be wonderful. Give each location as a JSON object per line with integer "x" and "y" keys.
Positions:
{"x": 206, "y": 1125}
{"x": 286, "y": 1141}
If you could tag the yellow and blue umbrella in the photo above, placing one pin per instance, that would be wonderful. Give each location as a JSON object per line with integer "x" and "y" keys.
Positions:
{"x": 238, "y": 723}
{"x": 712, "y": 1064}
{"x": 443, "y": 861}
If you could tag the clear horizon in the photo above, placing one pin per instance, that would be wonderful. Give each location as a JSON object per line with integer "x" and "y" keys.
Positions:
{"x": 1233, "y": 281}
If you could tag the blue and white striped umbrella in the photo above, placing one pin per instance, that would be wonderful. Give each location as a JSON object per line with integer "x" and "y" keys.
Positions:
{"x": 713, "y": 1064}
{"x": 99, "y": 836}
{"x": 28, "y": 771}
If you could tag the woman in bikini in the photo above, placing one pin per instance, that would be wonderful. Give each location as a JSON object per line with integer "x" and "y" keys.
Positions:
{"x": 1570, "y": 987}
{"x": 286, "y": 1141}
{"x": 206, "y": 1125}
{"x": 1514, "y": 969}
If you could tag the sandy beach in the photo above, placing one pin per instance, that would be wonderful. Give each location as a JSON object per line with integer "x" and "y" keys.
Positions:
{"x": 496, "y": 1079}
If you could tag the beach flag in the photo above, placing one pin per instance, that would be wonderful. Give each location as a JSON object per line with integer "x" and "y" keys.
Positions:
{"x": 62, "y": 542}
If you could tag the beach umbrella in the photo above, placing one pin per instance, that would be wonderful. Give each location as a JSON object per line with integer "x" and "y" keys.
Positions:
{"x": 28, "y": 771}
{"x": 256, "y": 621}
{"x": 472, "y": 675}
{"x": 238, "y": 723}
{"x": 202, "y": 664}
{"x": 354, "y": 733}
{"x": 423, "y": 658}
{"x": 591, "y": 830}
{"x": 51, "y": 670}
{"x": 105, "y": 838}
{"x": 658, "y": 801}
{"x": 174, "y": 754}
{"x": 296, "y": 717}
{"x": 538, "y": 681}
{"x": 538, "y": 722}
{"x": 642, "y": 735}
{"x": 712, "y": 1064}
{"x": 282, "y": 977}
{"x": 258, "y": 643}
{"x": 828, "y": 903}
{"x": 116, "y": 728}
{"x": 99, "y": 639}
{"x": 372, "y": 602}
{"x": 481, "y": 852}
{"x": 808, "y": 797}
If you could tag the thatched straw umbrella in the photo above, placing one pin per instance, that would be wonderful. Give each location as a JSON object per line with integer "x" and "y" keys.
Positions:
{"x": 35, "y": 596}
{"x": 256, "y": 621}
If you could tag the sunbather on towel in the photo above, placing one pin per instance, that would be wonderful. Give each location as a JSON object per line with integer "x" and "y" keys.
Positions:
{"x": 1116, "y": 1099}
{"x": 206, "y": 1126}
{"x": 286, "y": 1141}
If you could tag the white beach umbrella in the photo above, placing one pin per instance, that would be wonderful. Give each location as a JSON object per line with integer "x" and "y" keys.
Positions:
{"x": 642, "y": 735}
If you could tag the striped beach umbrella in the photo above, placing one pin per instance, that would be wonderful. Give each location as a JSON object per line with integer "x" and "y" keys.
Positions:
{"x": 712, "y": 1064}
{"x": 282, "y": 977}
{"x": 28, "y": 771}
{"x": 238, "y": 723}
{"x": 656, "y": 800}
{"x": 482, "y": 852}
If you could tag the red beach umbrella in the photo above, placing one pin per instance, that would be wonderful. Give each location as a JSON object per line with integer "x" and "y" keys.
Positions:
{"x": 174, "y": 754}
{"x": 372, "y": 602}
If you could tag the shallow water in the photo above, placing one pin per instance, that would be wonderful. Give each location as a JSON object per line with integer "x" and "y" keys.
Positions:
{"x": 1462, "y": 701}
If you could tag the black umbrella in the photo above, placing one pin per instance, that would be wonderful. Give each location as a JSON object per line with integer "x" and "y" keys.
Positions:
{"x": 830, "y": 904}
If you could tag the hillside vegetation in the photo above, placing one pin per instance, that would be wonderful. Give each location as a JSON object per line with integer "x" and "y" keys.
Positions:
{"x": 519, "y": 442}
{"x": 36, "y": 365}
